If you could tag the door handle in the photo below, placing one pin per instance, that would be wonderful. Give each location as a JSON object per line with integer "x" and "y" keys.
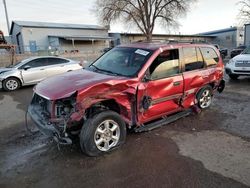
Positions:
{"x": 41, "y": 69}
{"x": 177, "y": 83}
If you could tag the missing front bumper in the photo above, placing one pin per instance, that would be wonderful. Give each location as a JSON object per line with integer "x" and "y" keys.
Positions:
{"x": 48, "y": 128}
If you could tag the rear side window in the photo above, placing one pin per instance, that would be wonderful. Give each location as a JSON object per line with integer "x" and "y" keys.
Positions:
{"x": 193, "y": 59}
{"x": 165, "y": 65}
{"x": 210, "y": 56}
{"x": 55, "y": 61}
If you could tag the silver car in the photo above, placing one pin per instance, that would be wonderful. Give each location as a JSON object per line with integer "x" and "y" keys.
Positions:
{"x": 33, "y": 70}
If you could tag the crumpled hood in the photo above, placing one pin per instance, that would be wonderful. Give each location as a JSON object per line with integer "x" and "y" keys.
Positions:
{"x": 3, "y": 69}
{"x": 242, "y": 57}
{"x": 64, "y": 85}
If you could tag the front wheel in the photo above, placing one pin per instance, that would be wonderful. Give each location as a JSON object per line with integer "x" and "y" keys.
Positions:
{"x": 204, "y": 97}
{"x": 102, "y": 133}
{"x": 11, "y": 84}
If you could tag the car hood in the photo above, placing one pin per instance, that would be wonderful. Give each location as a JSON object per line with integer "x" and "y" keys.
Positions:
{"x": 242, "y": 57}
{"x": 64, "y": 85}
{"x": 3, "y": 69}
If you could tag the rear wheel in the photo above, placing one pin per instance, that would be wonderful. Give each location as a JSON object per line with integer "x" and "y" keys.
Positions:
{"x": 11, "y": 84}
{"x": 102, "y": 133}
{"x": 233, "y": 76}
{"x": 204, "y": 97}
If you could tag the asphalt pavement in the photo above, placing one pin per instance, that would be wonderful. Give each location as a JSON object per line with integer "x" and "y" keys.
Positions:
{"x": 210, "y": 149}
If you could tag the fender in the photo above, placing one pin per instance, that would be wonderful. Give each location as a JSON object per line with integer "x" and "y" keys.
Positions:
{"x": 123, "y": 94}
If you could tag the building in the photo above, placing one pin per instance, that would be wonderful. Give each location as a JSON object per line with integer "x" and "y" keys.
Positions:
{"x": 247, "y": 35}
{"x": 228, "y": 38}
{"x": 44, "y": 36}
{"x": 124, "y": 38}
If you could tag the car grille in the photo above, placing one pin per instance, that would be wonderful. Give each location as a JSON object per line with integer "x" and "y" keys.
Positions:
{"x": 242, "y": 64}
{"x": 242, "y": 71}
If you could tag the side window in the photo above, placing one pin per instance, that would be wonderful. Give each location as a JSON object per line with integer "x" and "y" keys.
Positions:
{"x": 36, "y": 63}
{"x": 210, "y": 56}
{"x": 55, "y": 61}
{"x": 165, "y": 65}
{"x": 193, "y": 59}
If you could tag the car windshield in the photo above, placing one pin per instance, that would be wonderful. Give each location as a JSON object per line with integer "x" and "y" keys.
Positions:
{"x": 246, "y": 51}
{"x": 121, "y": 61}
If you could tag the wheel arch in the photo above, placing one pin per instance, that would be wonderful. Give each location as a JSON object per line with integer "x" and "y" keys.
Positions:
{"x": 109, "y": 104}
{"x": 20, "y": 81}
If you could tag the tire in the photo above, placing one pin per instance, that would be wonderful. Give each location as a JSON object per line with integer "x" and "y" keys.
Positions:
{"x": 204, "y": 97}
{"x": 11, "y": 84}
{"x": 233, "y": 76}
{"x": 97, "y": 136}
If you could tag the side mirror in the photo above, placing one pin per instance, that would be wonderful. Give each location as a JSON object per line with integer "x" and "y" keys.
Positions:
{"x": 146, "y": 77}
{"x": 26, "y": 67}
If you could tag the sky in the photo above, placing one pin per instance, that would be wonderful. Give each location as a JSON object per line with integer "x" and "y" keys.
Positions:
{"x": 204, "y": 15}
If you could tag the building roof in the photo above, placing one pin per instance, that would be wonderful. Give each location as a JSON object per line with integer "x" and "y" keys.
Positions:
{"x": 82, "y": 37}
{"x": 55, "y": 25}
{"x": 219, "y": 31}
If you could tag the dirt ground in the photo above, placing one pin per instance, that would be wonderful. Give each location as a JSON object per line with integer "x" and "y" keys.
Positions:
{"x": 210, "y": 149}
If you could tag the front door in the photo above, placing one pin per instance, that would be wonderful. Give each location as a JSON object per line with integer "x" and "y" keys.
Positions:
{"x": 160, "y": 93}
{"x": 36, "y": 71}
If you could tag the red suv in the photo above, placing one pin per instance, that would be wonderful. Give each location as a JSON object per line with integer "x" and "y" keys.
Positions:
{"x": 139, "y": 86}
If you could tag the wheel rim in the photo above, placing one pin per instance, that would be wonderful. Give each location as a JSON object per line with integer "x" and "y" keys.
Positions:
{"x": 107, "y": 135}
{"x": 11, "y": 84}
{"x": 206, "y": 99}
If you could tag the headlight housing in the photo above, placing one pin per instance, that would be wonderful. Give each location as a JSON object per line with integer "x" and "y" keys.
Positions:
{"x": 231, "y": 61}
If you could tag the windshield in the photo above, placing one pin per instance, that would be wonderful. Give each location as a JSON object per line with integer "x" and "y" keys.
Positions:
{"x": 121, "y": 61}
{"x": 246, "y": 51}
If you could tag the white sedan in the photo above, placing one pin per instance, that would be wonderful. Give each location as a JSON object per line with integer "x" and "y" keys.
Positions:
{"x": 239, "y": 65}
{"x": 33, "y": 70}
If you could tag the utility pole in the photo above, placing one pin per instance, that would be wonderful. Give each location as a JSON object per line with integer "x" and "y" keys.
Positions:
{"x": 6, "y": 14}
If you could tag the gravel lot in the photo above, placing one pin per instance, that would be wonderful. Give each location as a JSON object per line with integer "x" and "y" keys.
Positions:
{"x": 211, "y": 149}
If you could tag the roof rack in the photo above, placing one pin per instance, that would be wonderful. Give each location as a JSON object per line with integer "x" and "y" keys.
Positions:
{"x": 170, "y": 41}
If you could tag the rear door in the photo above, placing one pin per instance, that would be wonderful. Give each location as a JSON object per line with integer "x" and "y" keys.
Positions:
{"x": 36, "y": 71}
{"x": 160, "y": 93}
{"x": 211, "y": 59}
{"x": 195, "y": 74}
{"x": 56, "y": 66}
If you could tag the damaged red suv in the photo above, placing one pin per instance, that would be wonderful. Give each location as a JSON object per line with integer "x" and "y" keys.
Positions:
{"x": 139, "y": 86}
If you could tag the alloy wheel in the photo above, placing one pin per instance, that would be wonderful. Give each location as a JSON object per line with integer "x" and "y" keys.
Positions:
{"x": 107, "y": 135}
{"x": 206, "y": 99}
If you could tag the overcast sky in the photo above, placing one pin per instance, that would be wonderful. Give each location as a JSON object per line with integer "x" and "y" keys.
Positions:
{"x": 205, "y": 15}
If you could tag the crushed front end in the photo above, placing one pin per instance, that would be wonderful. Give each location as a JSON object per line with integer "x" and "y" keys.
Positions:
{"x": 53, "y": 117}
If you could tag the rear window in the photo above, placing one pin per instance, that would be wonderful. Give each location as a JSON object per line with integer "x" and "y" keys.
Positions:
{"x": 210, "y": 56}
{"x": 193, "y": 59}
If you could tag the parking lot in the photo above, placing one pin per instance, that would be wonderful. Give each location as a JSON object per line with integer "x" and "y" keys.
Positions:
{"x": 210, "y": 149}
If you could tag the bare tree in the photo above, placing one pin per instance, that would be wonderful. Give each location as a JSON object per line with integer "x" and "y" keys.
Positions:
{"x": 144, "y": 14}
{"x": 244, "y": 12}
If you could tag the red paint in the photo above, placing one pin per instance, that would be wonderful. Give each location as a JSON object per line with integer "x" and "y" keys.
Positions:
{"x": 92, "y": 87}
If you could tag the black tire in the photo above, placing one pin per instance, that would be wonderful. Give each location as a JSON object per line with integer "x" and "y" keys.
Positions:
{"x": 89, "y": 135}
{"x": 204, "y": 97}
{"x": 233, "y": 76}
{"x": 11, "y": 84}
